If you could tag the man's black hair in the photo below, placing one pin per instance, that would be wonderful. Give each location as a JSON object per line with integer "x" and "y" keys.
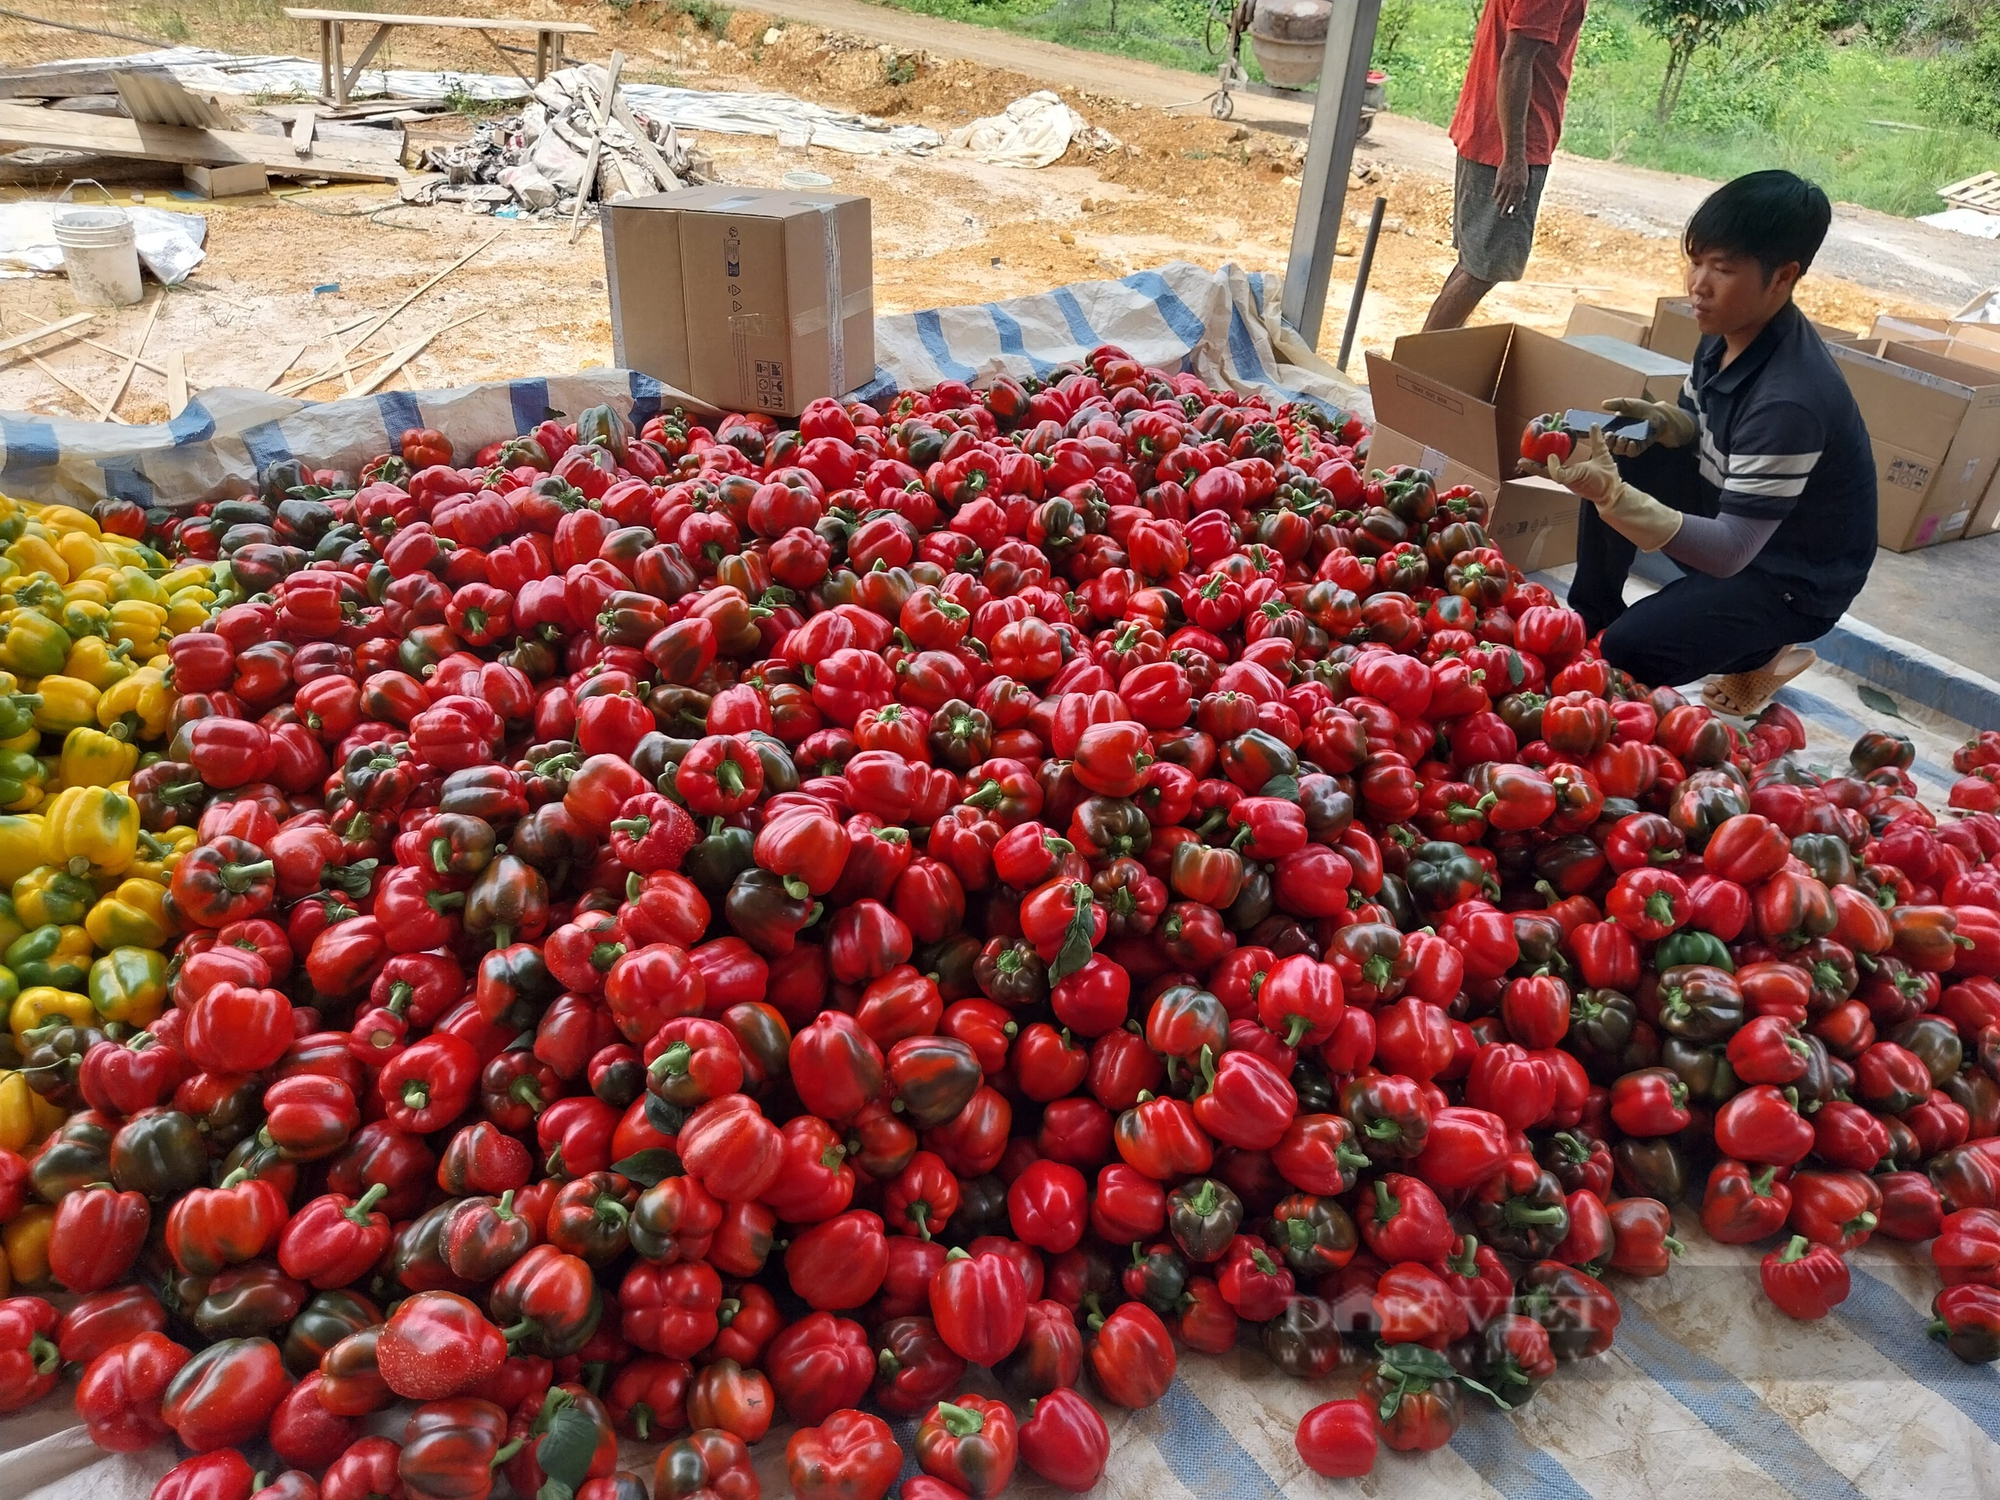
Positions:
{"x": 1775, "y": 217}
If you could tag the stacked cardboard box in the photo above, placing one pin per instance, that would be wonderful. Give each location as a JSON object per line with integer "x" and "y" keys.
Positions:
{"x": 1929, "y": 389}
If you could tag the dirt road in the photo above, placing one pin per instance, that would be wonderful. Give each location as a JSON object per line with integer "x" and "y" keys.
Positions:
{"x": 1866, "y": 247}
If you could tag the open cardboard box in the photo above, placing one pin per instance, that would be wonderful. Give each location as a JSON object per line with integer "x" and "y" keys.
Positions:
{"x": 1675, "y": 334}
{"x": 1456, "y": 402}
{"x": 1935, "y": 425}
{"x": 1614, "y": 322}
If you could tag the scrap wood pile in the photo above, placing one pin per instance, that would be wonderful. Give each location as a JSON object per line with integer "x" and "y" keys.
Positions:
{"x": 539, "y": 158}
{"x": 635, "y": 935}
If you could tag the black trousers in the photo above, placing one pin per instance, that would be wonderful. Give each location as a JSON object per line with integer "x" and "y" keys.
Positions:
{"x": 1695, "y": 626}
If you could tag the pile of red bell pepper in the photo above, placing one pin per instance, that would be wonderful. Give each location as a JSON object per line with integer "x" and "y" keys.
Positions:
{"x": 722, "y": 924}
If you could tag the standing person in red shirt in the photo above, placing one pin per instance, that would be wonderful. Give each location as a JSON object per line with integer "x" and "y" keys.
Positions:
{"x": 1509, "y": 118}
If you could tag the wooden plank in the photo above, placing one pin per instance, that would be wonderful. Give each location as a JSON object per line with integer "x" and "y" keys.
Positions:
{"x": 47, "y": 330}
{"x": 75, "y": 390}
{"x": 177, "y": 382}
{"x": 494, "y": 43}
{"x": 410, "y": 351}
{"x": 145, "y": 364}
{"x": 291, "y": 357}
{"x": 643, "y": 143}
{"x": 383, "y": 143}
{"x": 367, "y": 56}
{"x": 375, "y": 325}
{"x": 125, "y": 375}
{"x": 302, "y": 131}
{"x": 465, "y": 23}
{"x": 23, "y": 126}
{"x": 588, "y": 184}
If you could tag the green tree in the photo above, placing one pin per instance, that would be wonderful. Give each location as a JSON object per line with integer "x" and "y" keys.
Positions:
{"x": 1686, "y": 26}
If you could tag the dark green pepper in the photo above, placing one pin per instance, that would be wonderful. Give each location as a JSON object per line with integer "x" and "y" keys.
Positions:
{"x": 1314, "y": 1234}
{"x": 1203, "y": 1217}
{"x": 1441, "y": 874}
{"x": 159, "y": 1152}
{"x": 78, "y": 1153}
{"x": 1303, "y": 1340}
{"x": 1705, "y": 1070}
{"x": 248, "y": 1301}
{"x": 1654, "y": 1168}
{"x": 714, "y": 862}
{"x": 1690, "y": 947}
{"x": 514, "y": 985}
{"x": 1114, "y": 827}
{"x": 1828, "y": 857}
{"x": 1700, "y": 1004}
{"x": 324, "y": 1322}
{"x": 1158, "y": 1277}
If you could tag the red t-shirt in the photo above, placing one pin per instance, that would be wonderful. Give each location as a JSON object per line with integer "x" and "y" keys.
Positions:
{"x": 1475, "y": 127}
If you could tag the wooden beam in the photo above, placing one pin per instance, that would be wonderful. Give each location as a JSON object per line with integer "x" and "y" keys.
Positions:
{"x": 464, "y": 23}
{"x": 648, "y": 152}
{"x": 177, "y": 381}
{"x": 367, "y": 56}
{"x": 47, "y": 330}
{"x": 410, "y": 351}
{"x": 145, "y": 364}
{"x": 494, "y": 42}
{"x": 302, "y": 131}
{"x": 61, "y": 130}
{"x": 589, "y": 183}
{"x": 125, "y": 375}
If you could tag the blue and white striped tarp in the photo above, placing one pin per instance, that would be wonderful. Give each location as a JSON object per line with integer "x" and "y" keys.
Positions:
{"x": 1221, "y": 325}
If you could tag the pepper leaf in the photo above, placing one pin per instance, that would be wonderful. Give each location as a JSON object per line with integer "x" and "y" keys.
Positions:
{"x": 1077, "y": 940}
{"x": 1414, "y": 1361}
{"x": 1878, "y": 700}
{"x": 567, "y": 1448}
{"x": 649, "y": 1168}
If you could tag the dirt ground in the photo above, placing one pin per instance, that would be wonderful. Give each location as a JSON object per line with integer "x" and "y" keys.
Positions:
{"x": 946, "y": 230}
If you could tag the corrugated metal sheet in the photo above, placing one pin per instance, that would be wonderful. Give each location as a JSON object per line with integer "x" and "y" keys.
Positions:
{"x": 155, "y": 97}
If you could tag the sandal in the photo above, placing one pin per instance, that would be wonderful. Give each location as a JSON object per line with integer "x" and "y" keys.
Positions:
{"x": 1741, "y": 694}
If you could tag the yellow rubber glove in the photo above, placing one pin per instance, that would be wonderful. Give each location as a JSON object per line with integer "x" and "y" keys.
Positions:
{"x": 1593, "y": 474}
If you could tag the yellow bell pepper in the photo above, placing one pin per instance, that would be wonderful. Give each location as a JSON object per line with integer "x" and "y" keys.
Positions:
{"x": 50, "y": 894}
{"x": 66, "y": 703}
{"x": 133, "y": 915}
{"x": 91, "y": 830}
{"x": 36, "y": 554}
{"x": 134, "y": 582}
{"x": 11, "y": 927}
{"x": 99, "y": 662}
{"x": 20, "y": 847}
{"x": 188, "y": 610}
{"x": 130, "y": 985}
{"x": 26, "y": 1241}
{"x": 84, "y": 614}
{"x": 187, "y": 575}
{"x": 81, "y": 553}
{"x": 24, "y": 1118}
{"x": 143, "y": 703}
{"x": 160, "y": 852}
{"x": 33, "y": 645}
{"x": 43, "y": 1002}
{"x": 138, "y": 623}
{"x": 95, "y": 757}
{"x": 67, "y": 518}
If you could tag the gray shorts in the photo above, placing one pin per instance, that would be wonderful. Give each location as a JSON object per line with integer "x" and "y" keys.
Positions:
{"x": 1491, "y": 245}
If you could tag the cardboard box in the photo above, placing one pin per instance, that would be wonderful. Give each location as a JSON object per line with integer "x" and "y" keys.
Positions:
{"x": 1986, "y": 519}
{"x": 1935, "y": 424}
{"x": 751, "y": 299}
{"x": 1614, "y": 322}
{"x": 1675, "y": 332}
{"x": 227, "y": 182}
{"x": 1664, "y": 375}
{"x": 1456, "y": 402}
{"x": 1533, "y": 521}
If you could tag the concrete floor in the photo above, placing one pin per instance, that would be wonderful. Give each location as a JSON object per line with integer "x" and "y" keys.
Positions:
{"x": 1945, "y": 599}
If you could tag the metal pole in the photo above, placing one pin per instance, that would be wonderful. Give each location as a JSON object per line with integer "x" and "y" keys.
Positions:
{"x": 1361, "y": 281}
{"x": 1336, "y": 123}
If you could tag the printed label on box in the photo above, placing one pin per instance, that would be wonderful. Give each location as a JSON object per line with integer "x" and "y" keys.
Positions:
{"x": 1906, "y": 474}
{"x": 1926, "y": 531}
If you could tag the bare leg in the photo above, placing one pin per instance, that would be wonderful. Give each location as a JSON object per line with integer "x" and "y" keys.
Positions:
{"x": 1461, "y": 293}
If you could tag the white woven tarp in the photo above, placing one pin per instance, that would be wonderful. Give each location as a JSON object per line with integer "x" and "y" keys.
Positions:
{"x": 210, "y": 72}
{"x": 1222, "y": 325}
{"x": 1034, "y": 131}
{"x": 169, "y": 243}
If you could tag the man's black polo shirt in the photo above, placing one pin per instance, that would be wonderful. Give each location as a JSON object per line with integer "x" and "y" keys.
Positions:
{"x": 1781, "y": 439}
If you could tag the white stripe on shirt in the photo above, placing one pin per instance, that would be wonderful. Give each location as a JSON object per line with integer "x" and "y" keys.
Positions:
{"x": 1741, "y": 464}
{"x": 1783, "y": 488}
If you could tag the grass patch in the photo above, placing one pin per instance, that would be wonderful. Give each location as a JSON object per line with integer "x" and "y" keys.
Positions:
{"x": 1780, "y": 94}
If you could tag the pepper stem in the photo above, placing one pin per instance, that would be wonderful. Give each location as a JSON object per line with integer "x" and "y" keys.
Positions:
{"x": 358, "y": 1213}
{"x": 959, "y": 1421}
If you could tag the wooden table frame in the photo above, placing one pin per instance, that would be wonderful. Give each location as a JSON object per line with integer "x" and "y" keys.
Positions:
{"x": 337, "y": 80}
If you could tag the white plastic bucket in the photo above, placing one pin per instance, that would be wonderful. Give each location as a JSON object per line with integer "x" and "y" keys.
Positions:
{"x": 100, "y": 251}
